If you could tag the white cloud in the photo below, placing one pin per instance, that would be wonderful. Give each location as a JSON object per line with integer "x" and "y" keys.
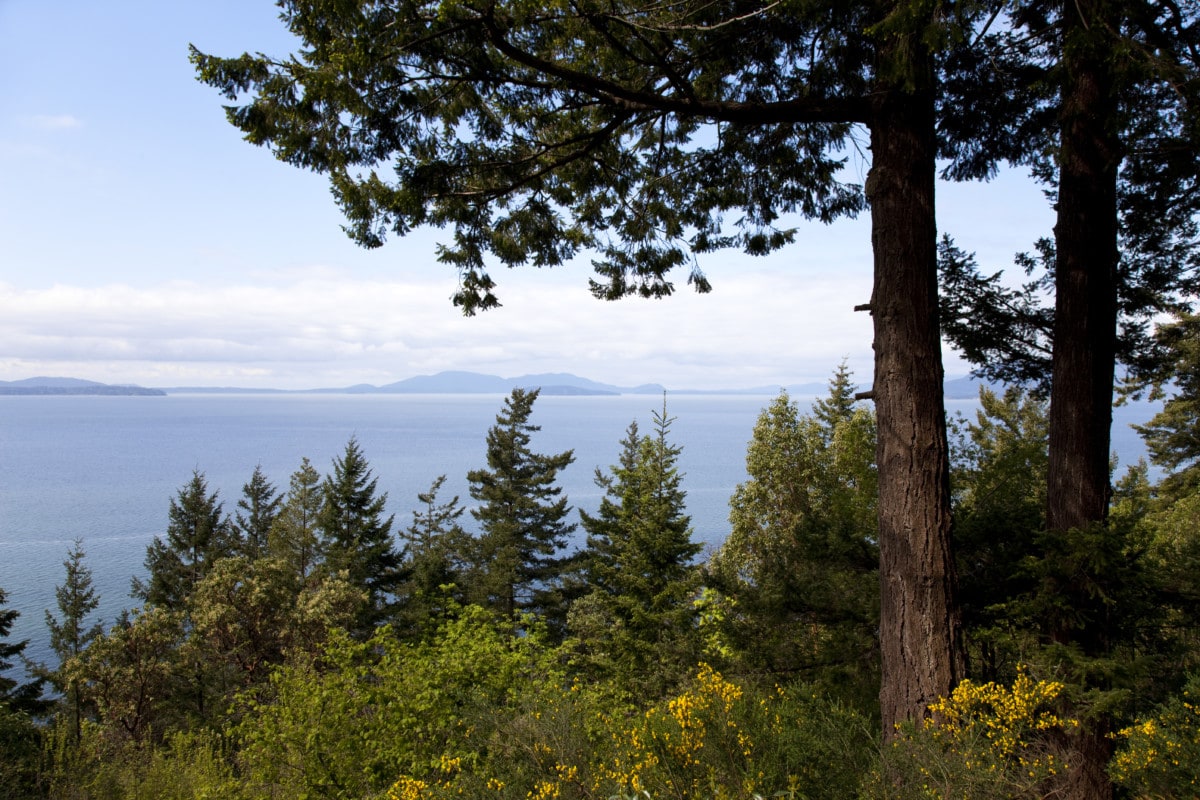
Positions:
{"x": 760, "y": 327}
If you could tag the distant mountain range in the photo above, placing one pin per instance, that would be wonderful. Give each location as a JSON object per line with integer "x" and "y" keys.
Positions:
{"x": 557, "y": 383}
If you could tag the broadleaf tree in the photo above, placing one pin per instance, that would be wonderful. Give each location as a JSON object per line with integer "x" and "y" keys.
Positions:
{"x": 538, "y": 132}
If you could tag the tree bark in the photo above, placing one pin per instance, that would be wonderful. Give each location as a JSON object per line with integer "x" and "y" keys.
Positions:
{"x": 1084, "y": 331}
{"x": 920, "y": 626}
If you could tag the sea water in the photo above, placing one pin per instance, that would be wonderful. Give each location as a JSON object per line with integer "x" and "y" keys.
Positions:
{"x": 104, "y": 469}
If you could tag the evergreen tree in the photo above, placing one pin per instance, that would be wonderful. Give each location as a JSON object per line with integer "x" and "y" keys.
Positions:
{"x": 198, "y": 535}
{"x": 69, "y": 632}
{"x": 638, "y": 563}
{"x": 256, "y": 512}
{"x": 519, "y": 563}
{"x": 355, "y": 537}
{"x": 19, "y": 740}
{"x": 294, "y": 532}
{"x": 14, "y": 696}
{"x": 801, "y": 559}
{"x": 437, "y": 551}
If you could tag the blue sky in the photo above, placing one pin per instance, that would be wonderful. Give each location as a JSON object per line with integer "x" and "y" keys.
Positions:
{"x": 142, "y": 241}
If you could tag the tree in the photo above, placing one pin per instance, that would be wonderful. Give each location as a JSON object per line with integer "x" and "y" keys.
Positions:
{"x": 437, "y": 551}
{"x": 536, "y": 132}
{"x": 293, "y": 534}
{"x": 257, "y": 510}
{"x": 198, "y": 535}
{"x": 69, "y": 632}
{"x": 638, "y": 563}
{"x": 801, "y": 561}
{"x": 519, "y": 560}
{"x": 355, "y": 538}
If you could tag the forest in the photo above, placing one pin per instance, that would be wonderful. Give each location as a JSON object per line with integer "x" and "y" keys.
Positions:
{"x": 307, "y": 645}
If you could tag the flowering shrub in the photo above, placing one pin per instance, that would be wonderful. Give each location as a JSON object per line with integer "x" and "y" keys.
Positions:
{"x": 984, "y": 741}
{"x": 1159, "y": 756}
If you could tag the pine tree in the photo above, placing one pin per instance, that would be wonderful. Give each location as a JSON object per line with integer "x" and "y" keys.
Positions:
{"x": 639, "y": 563}
{"x": 12, "y": 694}
{"x": 198, "y": 535}
{"x": 257, "y": 509}
{"x": 69, "y": 632}
{"x": 355, "y": 537}
{"x": 293, "y": 534}
{"x": 519, "y": 562}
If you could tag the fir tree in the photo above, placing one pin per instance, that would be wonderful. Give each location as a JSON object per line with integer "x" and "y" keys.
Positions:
{"x": 519, "y": 562}
{"x": 639, "y": 562}
{"x": 355, "y": 537}
{"x": 437, "y": 549}
{"x": 70, "y": 633}
{"x": 293, "y": 534}
{"x": 256, "y": 512}
{"x": 198, "y": 535}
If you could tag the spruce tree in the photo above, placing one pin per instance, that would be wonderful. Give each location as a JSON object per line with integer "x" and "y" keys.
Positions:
{"x": 519, "y": 561}
{"x": 256, "y": 512}
{"x": 355, "y": 537}
{"x": 198, "y": 535}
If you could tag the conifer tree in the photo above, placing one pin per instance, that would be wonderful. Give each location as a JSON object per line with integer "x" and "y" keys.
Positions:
{"x": 519, "y": 563}
{"x": 256, "y": 511}
{"x": 293, "y": 534}
{"x": 802, "y": 556}
{"x": 436, "y": 554}
{"x": 638, "y": 562}
{"x": 70, "y": 633}
{"x": 198, "y": 535}
{"x": 355, "y": 537}
{"x": 12, "y": 694}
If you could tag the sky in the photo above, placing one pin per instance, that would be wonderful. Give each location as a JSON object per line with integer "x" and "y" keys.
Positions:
{"x": 142, "y": 241}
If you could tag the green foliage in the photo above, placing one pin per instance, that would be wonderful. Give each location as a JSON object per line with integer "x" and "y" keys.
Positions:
{"x": 131, "y": 673}
{"x": 801, "y": 562}
{"x": 437, "y": 552}
{"x": 198, "y": 535}
{"x": 1159, "y": 754}
{"x": 350, "y": 722}
{"x": 984, "y": 741}
{"x": 70, "y": 634}
{"x": 257, "y": 510}
{"x": 999, "y": 484}
{"x": 518, "y": 561}
{"x": 534, "y": 133}
{"x": 294, "y": 533}
{"x": 637, "y": 619}
{"x": 355, "y": 538}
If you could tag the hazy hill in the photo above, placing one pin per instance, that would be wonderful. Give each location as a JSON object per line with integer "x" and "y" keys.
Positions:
{"x": 72, "y": 386}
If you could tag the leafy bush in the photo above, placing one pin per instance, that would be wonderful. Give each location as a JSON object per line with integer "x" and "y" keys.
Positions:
{"x": 1159, "y": 755}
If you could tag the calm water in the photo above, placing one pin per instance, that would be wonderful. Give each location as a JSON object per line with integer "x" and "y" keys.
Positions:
{"x": 104, "y": 468}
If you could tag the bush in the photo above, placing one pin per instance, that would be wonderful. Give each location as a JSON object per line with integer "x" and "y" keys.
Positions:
{"x": 1159, "y": 755}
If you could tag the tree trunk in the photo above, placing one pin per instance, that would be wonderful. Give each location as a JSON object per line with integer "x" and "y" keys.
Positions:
{"x": 1084, "y": 331}
{"x": 920, "y": 627}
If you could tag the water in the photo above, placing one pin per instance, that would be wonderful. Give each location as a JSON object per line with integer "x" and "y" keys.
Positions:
{"x": 103, "y": 469}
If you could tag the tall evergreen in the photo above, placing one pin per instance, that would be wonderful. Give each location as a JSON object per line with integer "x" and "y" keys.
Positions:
{"x": 355, "y": 537}
{"x": 256, "y": 512}
{"x": 436, "y": 553}
{"x": 294, "y": 535}
{"x": 638, "y": 561}
{"x": 70, "y": 632}
{"x": 198, "y": 535}
{"x": 519, "y": 561}
{"x": 13, "y": 695}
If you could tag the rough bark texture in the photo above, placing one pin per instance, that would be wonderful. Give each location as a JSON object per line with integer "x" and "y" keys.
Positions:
{"x": 920, "y": 627}
{"x": 1085, "y": 329}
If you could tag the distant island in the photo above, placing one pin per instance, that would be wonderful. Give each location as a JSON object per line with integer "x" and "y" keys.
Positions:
{"x": 74, "y": 386}
{"x": 450, "y": 382}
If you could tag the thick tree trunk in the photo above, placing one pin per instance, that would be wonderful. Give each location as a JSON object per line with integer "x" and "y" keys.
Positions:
{"x": 1084, "y": 332}
{"x": 920, "y": 627}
